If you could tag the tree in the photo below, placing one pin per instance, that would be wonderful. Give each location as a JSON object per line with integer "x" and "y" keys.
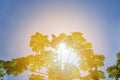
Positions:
{"x": 64, "y": 57}
{"x": 114, "y": 71}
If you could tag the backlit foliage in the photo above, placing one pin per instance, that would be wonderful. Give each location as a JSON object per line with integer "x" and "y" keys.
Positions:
{"x": 46, "y": 58}
{"x": 114, "y": 71}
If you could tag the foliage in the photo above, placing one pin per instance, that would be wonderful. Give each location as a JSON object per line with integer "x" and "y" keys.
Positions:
{"x": 46, "y": 58}
{"x": 114, "y": 71}
{"x": 2, "y": 68}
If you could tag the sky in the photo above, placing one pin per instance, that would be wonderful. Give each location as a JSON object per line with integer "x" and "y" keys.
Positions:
{"x": 98, "y": 20}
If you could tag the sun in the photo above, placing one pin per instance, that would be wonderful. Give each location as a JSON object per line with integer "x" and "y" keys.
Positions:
{"x": 67, "y": 55}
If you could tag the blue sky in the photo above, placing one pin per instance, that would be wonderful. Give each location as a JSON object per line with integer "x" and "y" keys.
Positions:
{"x": 99, "y": 21}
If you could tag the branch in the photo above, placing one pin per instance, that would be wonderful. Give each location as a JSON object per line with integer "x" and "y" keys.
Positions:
{"x": 38, "y": 72}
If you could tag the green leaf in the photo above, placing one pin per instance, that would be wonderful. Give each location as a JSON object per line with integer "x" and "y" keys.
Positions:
{"x": 112, "y": 71}
{"x": 118, "y": 55}
{"x": 101, "y": 74}
{"x": 1, "y": 73}
{"x": 2, "y": 63}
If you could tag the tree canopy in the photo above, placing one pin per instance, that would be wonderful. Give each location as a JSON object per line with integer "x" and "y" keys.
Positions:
{"x": 47, "y": 57}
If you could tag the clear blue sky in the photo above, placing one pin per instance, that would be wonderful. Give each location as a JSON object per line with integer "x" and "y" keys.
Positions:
{"x": 98, "y": 20}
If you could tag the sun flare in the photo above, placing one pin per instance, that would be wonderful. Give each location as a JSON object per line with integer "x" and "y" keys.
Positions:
{"x": 67, "y": 55}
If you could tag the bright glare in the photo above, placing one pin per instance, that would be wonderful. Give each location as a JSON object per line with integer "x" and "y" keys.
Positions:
{"x": 67, "y": 55}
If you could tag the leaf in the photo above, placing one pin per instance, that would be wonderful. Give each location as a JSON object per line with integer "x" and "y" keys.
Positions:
{"x": 38, "y": 42}
{"x": 88, "y": 45}
{"x": 112, "y": 71}
{"x": 118, "y": 55}
{"x": 101, "y": 74}
{"x": 32, "y": 68}
{"x": 1, "y": 73}
{"x": 99, "y": 60}
{"x": 2, "y": 62}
